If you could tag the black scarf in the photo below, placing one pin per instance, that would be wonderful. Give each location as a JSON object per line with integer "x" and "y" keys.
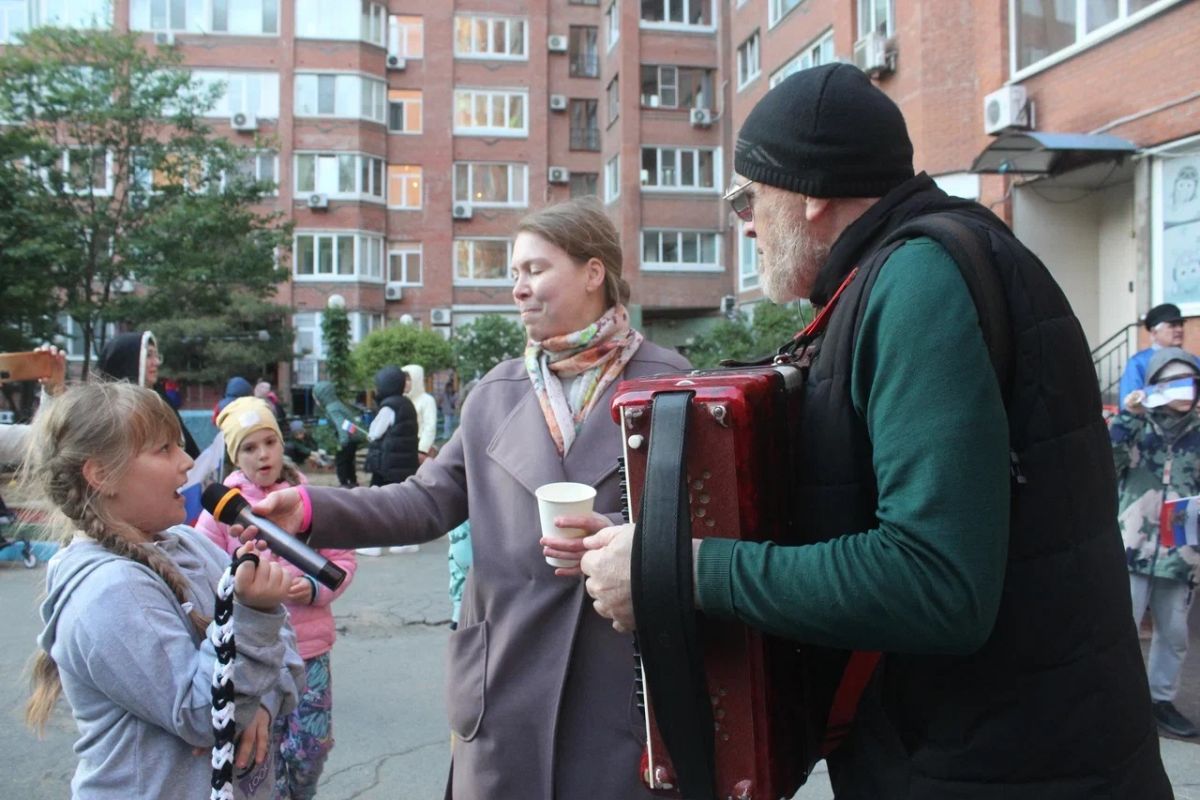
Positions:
{"x": 917, "y": 196}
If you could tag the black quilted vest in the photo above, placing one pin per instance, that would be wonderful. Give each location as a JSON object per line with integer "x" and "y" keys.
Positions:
{"x": 1055, "y": 704}
{"x": 398, "y": 446}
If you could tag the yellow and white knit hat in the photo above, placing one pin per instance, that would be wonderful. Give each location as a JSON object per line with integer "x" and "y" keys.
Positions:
{"x": 243, "y": 417}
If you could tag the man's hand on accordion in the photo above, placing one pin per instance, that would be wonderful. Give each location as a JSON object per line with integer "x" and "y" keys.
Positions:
{"x": 607, "y": 566}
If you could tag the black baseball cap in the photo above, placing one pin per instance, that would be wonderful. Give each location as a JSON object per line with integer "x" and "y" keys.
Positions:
{"x": 1165, "y": 312}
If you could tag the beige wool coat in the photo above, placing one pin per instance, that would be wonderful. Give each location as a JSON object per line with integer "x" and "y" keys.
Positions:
{"x": 539, "y": 688}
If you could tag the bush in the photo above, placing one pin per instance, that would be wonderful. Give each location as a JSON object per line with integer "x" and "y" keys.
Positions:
{"x": 742, "y": 339}
{"x": 399, "y": 345}
{"x": 485, "y": 342}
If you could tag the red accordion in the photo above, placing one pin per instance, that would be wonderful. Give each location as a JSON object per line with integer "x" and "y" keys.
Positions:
{"x": 731, "y": 712}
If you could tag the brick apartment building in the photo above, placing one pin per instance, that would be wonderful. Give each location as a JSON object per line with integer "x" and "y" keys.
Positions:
{"x": 412, "y": 137}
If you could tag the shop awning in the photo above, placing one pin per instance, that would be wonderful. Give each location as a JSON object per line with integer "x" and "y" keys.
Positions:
{"x": 1036, "y": 153}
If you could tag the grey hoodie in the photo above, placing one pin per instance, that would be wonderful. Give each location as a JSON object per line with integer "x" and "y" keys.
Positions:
{"x": 137, "y": 675}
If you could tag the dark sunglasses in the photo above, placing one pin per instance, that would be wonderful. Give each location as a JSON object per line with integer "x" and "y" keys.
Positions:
{"x": 739, "y": 200}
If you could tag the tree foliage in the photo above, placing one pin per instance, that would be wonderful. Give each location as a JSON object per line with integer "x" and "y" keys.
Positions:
{"x": 249, "y": 337}
{"x": 485, "y": 342}
{"x": 398, "y": 345}
{"x": 128, "y": 183}
{"x": 339, "y": 366}
{"x": 742, "y": 339}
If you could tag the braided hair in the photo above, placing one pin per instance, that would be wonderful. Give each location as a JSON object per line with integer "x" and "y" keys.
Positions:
{"x": 108, "y": 424}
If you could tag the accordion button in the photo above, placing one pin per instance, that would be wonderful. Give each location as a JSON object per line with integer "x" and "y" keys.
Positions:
{"x": 636, "y": 441}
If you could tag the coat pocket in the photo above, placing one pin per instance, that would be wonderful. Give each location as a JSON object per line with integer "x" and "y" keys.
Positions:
{"x": 466, "y": 679}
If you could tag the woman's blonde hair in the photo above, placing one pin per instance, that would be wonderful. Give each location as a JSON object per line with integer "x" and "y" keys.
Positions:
{"x": 108, "y": 424}
{"x": 582, "y": 230}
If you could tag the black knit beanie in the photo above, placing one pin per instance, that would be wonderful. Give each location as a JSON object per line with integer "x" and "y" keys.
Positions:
{"x": 826, "y": 132}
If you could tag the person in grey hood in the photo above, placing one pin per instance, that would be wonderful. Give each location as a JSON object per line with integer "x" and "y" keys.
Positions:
{"x": 129, "y": 603}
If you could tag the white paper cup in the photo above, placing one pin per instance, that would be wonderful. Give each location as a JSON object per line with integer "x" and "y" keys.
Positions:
{"x": 563, "y": 500}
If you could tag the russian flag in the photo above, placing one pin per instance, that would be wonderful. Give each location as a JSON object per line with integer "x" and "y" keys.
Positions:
{"x": 1180, "y": 522}
{"x": 209, "y": 468}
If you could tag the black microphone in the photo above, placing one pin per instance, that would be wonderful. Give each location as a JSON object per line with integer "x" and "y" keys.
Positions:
{"x": 229, "y": 507}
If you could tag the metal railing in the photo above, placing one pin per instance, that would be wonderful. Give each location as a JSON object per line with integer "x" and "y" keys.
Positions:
{"x": 585, "y": 138}
{"x": 1110, "y": 357}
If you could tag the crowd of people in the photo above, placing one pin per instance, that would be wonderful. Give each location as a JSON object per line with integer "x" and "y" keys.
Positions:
{"x": 965, "y": 512}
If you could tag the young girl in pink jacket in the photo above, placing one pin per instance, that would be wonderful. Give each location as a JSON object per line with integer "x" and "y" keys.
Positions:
{"x": 305, "y": 737}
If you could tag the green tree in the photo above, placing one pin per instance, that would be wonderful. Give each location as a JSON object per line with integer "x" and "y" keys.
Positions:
{"x": 485, "y": 342}
{"x": 741, "y": 338}
{"x": 133, "y": 186}
{"x": 398, "y": 345}
{"x": 248, "y": 338}
{"x": 339, "y": 365}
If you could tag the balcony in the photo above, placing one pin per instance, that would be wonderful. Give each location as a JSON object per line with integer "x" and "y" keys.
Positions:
{"x": 585, "y": 139}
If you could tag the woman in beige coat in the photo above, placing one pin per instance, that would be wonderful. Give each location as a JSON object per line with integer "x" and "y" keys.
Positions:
{"x": 540, "y": 688}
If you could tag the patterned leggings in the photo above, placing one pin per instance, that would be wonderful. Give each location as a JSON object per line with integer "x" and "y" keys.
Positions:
{"x": 305, "y": 737}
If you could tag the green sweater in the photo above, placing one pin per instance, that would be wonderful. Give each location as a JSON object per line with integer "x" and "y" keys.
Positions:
{"x": 928, "y": 579}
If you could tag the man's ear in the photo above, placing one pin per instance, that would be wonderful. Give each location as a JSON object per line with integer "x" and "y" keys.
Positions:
{"x": 94, "y": 474}
{"x": 815, "y": 208}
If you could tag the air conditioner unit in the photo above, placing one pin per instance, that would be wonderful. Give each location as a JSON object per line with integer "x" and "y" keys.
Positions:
{"x": 126, "y": 286}
{"x": 393, "y": 291}
{"x": 728, "y": 304}
{"x": 164, "y": 38}
{"x": 439, "y": 316}
{"x": 556, "y": 43}
{"x": 701, "y": 117}
{"x": 318, "y": 200}
{"x": 558, "y": 175}
{"x": 243, "y": 121}
{"x": 653, "y": 100}
{"x": 395, "y": 62}
{"x": 874, "y": 55}
{"x": 558, "y": 102}
{"x": 462, "y": 211}
{"x": 1007, "y": 108}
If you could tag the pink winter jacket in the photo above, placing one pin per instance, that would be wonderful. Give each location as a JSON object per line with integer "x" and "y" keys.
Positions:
{"x": 313, "y": 623}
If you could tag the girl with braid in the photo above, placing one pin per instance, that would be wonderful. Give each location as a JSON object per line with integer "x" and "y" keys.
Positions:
{"x": 129, "y": 602}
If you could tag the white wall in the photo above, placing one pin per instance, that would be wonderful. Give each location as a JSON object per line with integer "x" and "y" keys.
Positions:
{"x": 1117, "y": 261}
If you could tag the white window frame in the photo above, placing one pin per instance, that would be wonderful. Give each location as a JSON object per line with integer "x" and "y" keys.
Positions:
{"x": 420, "y": 175}
{"x": 518, "y": 178}
{"x": 46, "y": 12}
{"x": 681, "y": 153}
{"x": 368, "y": 88}
{"x": 1083, "y": 39}
{"x": 510, "y": 95}
{"x": 682, "y": 26}
{"x": 612, "y": 24}
{"x": 267, "y": 92}
{"x": 812, "y": 54}
{"x": 364, "y": 243}
{"x": 326, "y": 172}
{"x": 14, "y": 19}
{"x": 612, "y": 178}
{"x": 93, "y": 191}
{"x": 272, "y": 156}
{"x": 777, "y": 10}
{"x": 329, "y": 19}
{"x": 406, "y": 249}
{"x": 69, "y": 344}
{"x": 747, "y": 261}
{"x": 868, "y": 24}
{"x": 405, "y": 27}
{"x": 407, "y": 104}
{"x": 201, "y": 16}
{"x": 364, "y": 323}
{"x": 472, "y": 281}
{"x": 680, "y": 266}
{"x": 749, "y": 60}
{"x": 483, "y": 50}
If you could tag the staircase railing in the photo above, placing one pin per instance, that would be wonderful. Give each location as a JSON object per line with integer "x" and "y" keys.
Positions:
{"x": 1110, "y": 357}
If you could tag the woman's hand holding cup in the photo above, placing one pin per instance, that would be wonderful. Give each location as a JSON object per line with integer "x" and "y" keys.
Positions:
{"x": 564, "y": 549}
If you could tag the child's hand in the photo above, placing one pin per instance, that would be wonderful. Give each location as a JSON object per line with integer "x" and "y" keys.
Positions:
{"x": 1135, "y": 402}
{"x": 302, "y": 591}
{"x": 264, "y": 585}
{"x": 252, "y": 747}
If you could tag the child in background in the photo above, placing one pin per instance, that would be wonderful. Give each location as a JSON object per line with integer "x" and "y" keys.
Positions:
{"x": 305, "y": 737}
{"x": 345, "y": 422}
{"x": 129, "y": 606}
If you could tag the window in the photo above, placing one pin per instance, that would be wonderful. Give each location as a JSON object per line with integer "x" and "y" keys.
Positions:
{"x": 1043, "y": 29}
{"x": 404, "y": 263}
{"x": 585, "y": 127}
{"x": 676, "y": 87}
{"x": 875, "y": 16}
{"x": 341, "y": 95}
{"x": 350, "y": 176}
{"x": 260, "y": 166}
{"x": 307, "y": 347}
{"x": 404, "y": 186}
{"x": 482, "y": 184}
{"x": 87, "y": 171}
{"x": 677, "y": 13}
{"x": 482, "y": 260}
{"x": 204, "y": 16}
{"x": 245, "y": 17}
{"x": 612, "y": 179}
{"x": 612, "y": 23}
{"x": 695, "y": 251}
{"x": 813, "y": 55}
{"x": 14, "y": 19}
{"x": 404, "y": 110}
{"x": 584, "y": 184}
{"x": 583, "y": 2}
{"x": 408, "y": 37}
{"x": 331, "y": 19}
{"x": 254, "y": 93}
{"x": 362, "y": 323}
{"x": 778, "y": 9}
{"x": 489, "y": 37}
{"x": 71, "y": 339}
{"x": 583, "y": 51}
{"x": 74, "y": 13}
{"x": 680, "y": 168}
{"x": 337, "y": 256}
{"x": 747, "y": 60}
{"x": 747, "y": 261}
{"x": 613, "y": 93}
{"x": 490, "y": 113}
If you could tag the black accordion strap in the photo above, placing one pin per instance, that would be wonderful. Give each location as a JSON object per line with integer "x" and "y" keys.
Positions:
{"x": 663, "y": 607}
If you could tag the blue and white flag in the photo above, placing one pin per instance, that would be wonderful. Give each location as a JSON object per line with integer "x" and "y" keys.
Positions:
{"x": 209, "y": 468}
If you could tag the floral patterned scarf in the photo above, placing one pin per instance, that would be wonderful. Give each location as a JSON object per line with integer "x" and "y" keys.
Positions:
{"x": 597, "y": 355}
